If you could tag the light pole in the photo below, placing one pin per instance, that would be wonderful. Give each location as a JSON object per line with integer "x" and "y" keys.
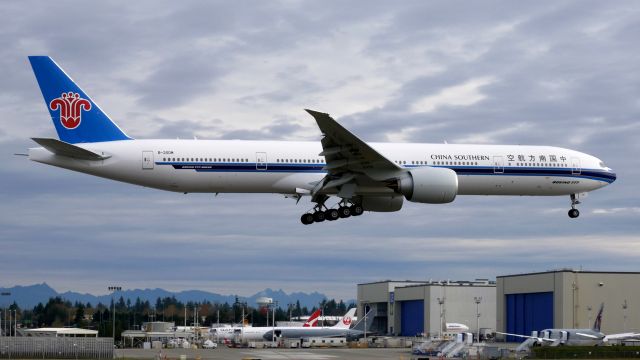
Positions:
{"x": 322, "y": 305}
{"x": 478, "y": 300}
{"x": 624, "y": 315}
{"x": 5, "y": 293}
{"x": 273, "y": 315}
{"x": 113, "y": 289}
{"x": 589, "y": 308}
{"x": 364, "y": 308}
{"x": 15, "y": 322}
{"x": 441, "y": 302}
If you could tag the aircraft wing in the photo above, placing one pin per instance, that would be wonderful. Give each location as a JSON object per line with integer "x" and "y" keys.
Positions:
{"x": 345, "y": 153}
{"x": 527, "y": 337}
{"x": 622, "y": 336}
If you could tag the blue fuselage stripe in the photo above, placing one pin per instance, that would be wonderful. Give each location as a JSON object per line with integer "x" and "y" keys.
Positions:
{"x": 593, "y": 174}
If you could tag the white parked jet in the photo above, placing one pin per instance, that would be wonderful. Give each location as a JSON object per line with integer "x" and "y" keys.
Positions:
{"x": 341, "y": 329}
{"x": 456, "y": 328}
{"x": 363, "y": 176}
{"x": 573, "y": 337}
{"x": 255, "y": 333}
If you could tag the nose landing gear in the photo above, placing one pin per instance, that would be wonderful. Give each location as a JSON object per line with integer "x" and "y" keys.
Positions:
{"x": 574, "y": 213}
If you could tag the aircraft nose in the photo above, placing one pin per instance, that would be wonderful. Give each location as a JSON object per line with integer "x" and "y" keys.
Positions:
{"x": 612, "y": 175}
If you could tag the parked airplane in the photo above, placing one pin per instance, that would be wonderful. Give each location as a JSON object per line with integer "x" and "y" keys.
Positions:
{"x": 253, "y": 333}
{"x": 456, "y": 328}
{"x": 341, "y": 329}
{"x": 573, "y": 337}
{"x": 362, "y": 176}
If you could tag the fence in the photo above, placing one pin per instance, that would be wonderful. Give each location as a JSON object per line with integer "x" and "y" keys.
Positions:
{"x": 587, "y": 352}
{"x": 56, "y": 348}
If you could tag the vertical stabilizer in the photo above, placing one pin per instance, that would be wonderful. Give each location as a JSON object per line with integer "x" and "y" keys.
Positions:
{"x": 346, "y": 320}
{"x": 313, "y": 319}
{"x": 598, "y": 323}
{"x": 365, "y": 322}
{"x": 76, "y": 117}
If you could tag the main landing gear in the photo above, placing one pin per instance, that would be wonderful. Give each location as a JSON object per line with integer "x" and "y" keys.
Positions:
{"x": 574, "y": 213}
{"x": 345, "y": 210}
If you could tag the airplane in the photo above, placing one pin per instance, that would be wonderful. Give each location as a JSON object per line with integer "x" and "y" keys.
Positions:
{"x": 456, "y": 328}
{"x": 341, "y": 329}
{"x": 361, "y": 176}
{"x": 573, "y": 337}
{"x": 253, "y": 333}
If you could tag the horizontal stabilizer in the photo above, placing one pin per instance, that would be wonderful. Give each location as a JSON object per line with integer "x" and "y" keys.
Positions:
{"x": 65, "y": 149}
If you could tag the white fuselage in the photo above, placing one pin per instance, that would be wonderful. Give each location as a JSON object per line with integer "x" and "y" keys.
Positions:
{"x": 246, "y": 333}
{"x": 238, "y": 166}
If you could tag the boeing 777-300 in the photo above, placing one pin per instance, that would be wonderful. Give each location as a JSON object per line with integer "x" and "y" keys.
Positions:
{"x": 361, "y": 176}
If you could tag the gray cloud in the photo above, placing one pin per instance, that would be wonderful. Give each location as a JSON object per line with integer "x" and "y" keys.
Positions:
{"x": 562, "y": 74}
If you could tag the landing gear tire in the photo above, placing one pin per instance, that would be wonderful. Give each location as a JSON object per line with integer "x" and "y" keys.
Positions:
{"x": 574, "y": 213}
{"x": 344, "y": 211}
{"x": 356, "y": 210}
{"x": 307, "y": 219}
{"x": 332, "y": 214}
{"x": 318, "y": 216}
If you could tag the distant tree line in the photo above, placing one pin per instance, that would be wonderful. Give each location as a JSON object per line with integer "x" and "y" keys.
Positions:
{"x": 58, "y": 312}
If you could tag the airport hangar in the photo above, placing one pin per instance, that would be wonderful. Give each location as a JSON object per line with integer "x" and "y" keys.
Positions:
{"x": 568, "y": 299}
{"x": 517, "y": 303}
{"x": 410, "y": 308}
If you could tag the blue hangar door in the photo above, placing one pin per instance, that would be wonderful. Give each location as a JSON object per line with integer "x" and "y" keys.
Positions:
{"x": 412, "y": 317}
{"x": 528, "y": 312}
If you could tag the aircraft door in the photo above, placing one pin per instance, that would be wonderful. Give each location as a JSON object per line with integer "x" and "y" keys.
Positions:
{"x": 575, "y": 166}
{"x": 563, "y": 337}
{"x": 147, "y": 160}
{"x": 261, "y": 161}
{"x": 498, "y": 165}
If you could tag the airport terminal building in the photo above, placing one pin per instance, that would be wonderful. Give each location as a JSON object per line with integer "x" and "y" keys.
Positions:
{"x": 410, "y": 308}
{"x": 567, "y": 299}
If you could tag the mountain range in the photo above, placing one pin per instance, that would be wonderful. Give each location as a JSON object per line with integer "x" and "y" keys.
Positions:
{"x": 30, "y": 295}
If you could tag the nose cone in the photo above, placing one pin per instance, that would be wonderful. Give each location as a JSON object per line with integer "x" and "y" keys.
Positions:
{"x": 610, "y": 175}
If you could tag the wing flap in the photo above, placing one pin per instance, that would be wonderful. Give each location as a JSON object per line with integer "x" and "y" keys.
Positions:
{"x": 62, "y": 148}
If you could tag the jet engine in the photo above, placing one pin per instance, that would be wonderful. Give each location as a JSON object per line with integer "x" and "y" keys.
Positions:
{"x": 429, "y": 185}
{"x": 382, "y": 203}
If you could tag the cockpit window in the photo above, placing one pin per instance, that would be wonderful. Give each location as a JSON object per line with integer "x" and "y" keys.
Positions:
{"x": 602, "y": 165}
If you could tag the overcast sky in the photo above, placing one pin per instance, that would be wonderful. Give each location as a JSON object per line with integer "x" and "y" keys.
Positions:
{"x": 554, "y": 73}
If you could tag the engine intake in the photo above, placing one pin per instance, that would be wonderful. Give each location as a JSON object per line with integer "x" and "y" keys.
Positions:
{"x": 429, "y": 185}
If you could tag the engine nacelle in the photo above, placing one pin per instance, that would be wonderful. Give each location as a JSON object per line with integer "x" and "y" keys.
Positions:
{"x": 429, "y": 185}
{"x": 382, "y": 203}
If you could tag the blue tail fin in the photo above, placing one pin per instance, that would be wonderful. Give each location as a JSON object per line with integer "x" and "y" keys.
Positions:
{"x": 76, "y": 117}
